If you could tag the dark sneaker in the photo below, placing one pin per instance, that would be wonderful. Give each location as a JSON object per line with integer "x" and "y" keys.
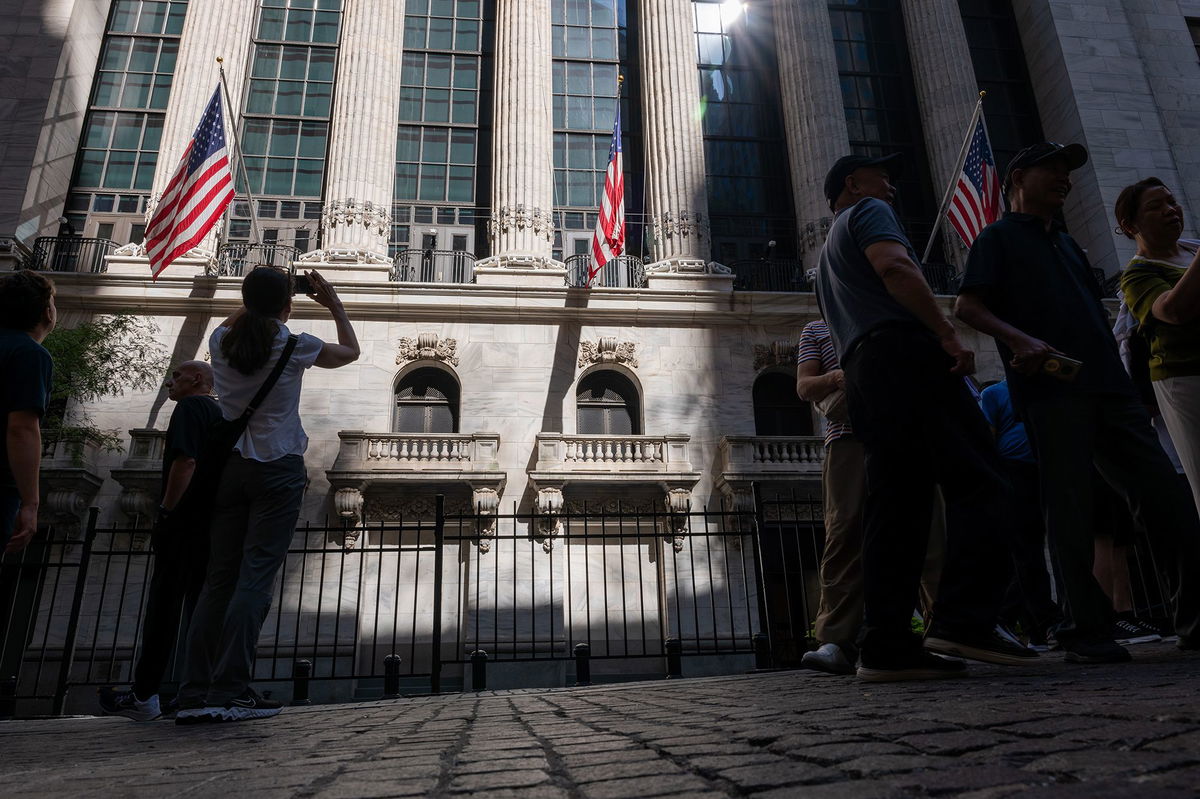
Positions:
{"x": 919, "y": 666}
{"x": 995, "y": 646}
{"x": 828, "y": 658}
{"x": 250, "y": 706}
{"x": 1099, "y": 651}
{"x": 1128, "y": 632}
{"x": 124, "y": 703}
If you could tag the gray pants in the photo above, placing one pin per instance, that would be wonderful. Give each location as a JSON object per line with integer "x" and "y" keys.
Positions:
{"x": 257, "y": 505}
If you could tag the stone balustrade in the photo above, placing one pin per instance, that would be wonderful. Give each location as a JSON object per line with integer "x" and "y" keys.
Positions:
{"x": 615, "y": 454}
{"x": 766, "y": 457}
{"x": 381, "y": 452}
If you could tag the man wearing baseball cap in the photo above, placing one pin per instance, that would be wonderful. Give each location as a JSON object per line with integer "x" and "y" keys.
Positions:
{"x": 1030, "y": 286}
{"x": 919, "y": 425}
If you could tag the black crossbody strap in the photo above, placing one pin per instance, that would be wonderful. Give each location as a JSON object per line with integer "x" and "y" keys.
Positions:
{"x": 272, "y": 378}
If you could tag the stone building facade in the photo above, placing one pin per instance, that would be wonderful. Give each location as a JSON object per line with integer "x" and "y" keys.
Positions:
{"x": 440, "y": 162}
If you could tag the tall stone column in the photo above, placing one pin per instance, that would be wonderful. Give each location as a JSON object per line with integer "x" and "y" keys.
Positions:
{"x": 356, "y": 219}
{"x": 521, "y": 229}
{"x": 216, "y": 28}
{"x": 813, "y": 114}
{"x": 946, "y": 91}
{"x": 674, "y": 139}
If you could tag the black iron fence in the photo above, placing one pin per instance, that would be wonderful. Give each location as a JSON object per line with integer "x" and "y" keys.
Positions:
{"x": 69, "y": 254}
{"x": 624, "y": 271}
{"x": 440, "y": 602}
{"x": 776, "y": 274}
{"x": 235, "y": 258}
{"x": 433, "y": 266}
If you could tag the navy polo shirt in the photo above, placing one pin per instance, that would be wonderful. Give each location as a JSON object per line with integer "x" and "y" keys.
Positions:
{"x": 1041, "y": 283}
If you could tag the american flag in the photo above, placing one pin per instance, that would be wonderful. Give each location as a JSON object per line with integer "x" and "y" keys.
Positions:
{"x": 609, "y": 239}
{"x": 976, "y": 202}
{"x": 197, "y": 195}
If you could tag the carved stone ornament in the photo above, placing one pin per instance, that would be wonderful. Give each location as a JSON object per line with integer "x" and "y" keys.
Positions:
{"x": 131, "y": 250}
{"x": 608, "y": 350}
{"x": 684, "y": 224}
{"x": 348, "y": 503}
{"x": 375, "y": 218}
{"x": 777, "y": 353}
{"x": 340, "y": 256}
{"x": 688, "y": 266}
{"x": 485, "y": 502}
{"x": 813, "y": 233}
{"x": 679, "y": 503}
{"x": 548, "y": 505}
{"x": 428, "y": 347}
{"x": 519, "y": 218}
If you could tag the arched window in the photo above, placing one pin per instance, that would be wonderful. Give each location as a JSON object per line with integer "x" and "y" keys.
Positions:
{"x": 777, "y": 409}
{"x": 607, "y": 404}
{"x": 426, "y": 402}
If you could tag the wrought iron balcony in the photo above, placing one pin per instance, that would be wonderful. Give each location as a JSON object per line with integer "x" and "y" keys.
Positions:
{"x": 625, "y": 272}
{"x": 365, "y": 458}
{"x": 69, "y": 254}
{"x": 566, "y": 458}
{"x": 776, "y": 274}
{"x": 433, "y": 266}
{"x": 745, "y": 459}
{"x": 235, "y": 258}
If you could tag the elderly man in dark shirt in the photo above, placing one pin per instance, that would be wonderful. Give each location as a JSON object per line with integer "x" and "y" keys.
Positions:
{"x": 1030, "y": 286}
{"x": 904, "y": 367}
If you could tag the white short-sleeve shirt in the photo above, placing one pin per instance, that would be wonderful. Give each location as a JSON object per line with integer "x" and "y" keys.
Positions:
{"x": 274, "y": 430}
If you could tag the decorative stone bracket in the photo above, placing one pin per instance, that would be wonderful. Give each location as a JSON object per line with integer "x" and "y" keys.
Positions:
{"x": 428, "y": 347}
{"x": 548, "y": 506}
{"x": 520, "y": 217}
{"x": 485, "y": 502}
{"x": 679, "y": 504}
{"x": 375, "y": 218}
{"x": 348, "y": 505}
{"x": 813, "y": 233}
{"x": 608, "y": 350}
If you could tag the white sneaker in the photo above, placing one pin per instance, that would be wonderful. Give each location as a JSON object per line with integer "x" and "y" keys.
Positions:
{"x": 828, "y": 658}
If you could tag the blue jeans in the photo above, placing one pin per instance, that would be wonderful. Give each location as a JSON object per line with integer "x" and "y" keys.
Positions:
{"x": 255, "y": 514}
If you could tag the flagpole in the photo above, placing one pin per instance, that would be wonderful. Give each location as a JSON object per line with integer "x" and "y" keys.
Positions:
{"x": 958, "y": 167}
{"x": 237, "y": 152}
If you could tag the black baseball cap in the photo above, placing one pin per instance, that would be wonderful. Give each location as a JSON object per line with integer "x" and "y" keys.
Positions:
{"x": 835, "y": 179}
{"x": 1076, "y": 155}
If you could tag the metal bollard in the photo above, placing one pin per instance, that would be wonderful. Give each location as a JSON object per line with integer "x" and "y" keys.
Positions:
{"x": 479, "y": 670}
{"x": 391, "y": 677}
{"x": 674, "y": 649}
{"x": 583, "y": 664}
{"x": 762, "y": 651}
{"x": 8, "y": 697}
{"x": 301, "y": 673}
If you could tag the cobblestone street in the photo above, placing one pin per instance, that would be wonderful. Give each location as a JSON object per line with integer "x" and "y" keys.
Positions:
{"x": 1055, "y": 729}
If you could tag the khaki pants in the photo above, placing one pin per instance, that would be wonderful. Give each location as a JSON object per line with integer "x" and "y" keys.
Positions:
{"x": 844, "y": 483}
{"x": 1179, "y": 402}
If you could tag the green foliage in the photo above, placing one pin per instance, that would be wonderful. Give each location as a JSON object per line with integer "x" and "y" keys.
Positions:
{"x": 100, "y": 358}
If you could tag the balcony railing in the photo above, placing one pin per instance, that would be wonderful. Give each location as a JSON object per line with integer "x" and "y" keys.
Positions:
{"x": 70, "y": 254}
{"x": 624, "y": 272}
{"x": 942, "y": 278}
{"x": 777, "y": 274}
{"x": 433, "y": 266}
{"x": 750, "y": 458}
{"x": 400, "y": 456}
{"x": 235, "y": 258}
{"x": 611, "y": 457}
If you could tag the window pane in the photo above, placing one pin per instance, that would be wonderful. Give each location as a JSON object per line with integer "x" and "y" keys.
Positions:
{"x": 414, "y": 32}
{"x": 308, "y": 178}
{"x": 464, "y": 107}
{"x": 408, "y": 143}
{"x": 406, "y": 181}
{"x": 294, "y": 63}
{"x": 283, "y": 138}
{"x": 441, "y": 34}
{"x": 466, "y": 36}
{"x": 433, "y": 182}
{"x": 127, "y": 131}
{"x": 312, "y": 139}
{"x": 462, "y": 184}
{"x": 437, "y": 71}
{"x": 437, "y": 105}
{"x": 279, "y": 176}
{"x": 435, "y": 145}
{"x": 119, "y": 174}
{"x": 91, "y": 167}
{"x": 462, "y": 147}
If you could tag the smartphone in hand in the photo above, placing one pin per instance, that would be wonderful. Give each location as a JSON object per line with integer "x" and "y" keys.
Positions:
{"x": 301, "y": 285}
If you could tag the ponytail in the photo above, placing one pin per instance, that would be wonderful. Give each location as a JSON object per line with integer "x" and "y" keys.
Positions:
{"x": 247, "y": 344}
{"x": 248, "y": 341}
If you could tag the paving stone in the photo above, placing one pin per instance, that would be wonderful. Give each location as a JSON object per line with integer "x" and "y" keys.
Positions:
{"x": 658, "y": 785}
{"x": 771, "y": 775}
{"x": 955, "y": 743}
{"x": 841, "y": 752}
{"x": 614, "y": 771}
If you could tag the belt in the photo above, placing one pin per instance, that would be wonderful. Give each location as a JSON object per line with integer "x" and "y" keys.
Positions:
{"x": 881, "y": 330}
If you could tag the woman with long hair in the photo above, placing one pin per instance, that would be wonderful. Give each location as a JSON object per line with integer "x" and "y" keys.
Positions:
{"x": 258, "y": 497}
{"x": 1161, "y": 287}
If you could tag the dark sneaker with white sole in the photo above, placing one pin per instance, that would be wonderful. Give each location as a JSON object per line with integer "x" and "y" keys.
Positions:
{"x": 919, "y": 665}
{"x": 994, "y": 646}
{"x": 250, "y": 706}
{"x": 198, "y": 714}
{"x": 126, "y": 703}
{"x": 1128, "y": 632}
{"x": 1098, "y": 651}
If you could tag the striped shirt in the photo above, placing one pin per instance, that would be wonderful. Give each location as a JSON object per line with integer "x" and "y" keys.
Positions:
{"x": 816, "y": 345}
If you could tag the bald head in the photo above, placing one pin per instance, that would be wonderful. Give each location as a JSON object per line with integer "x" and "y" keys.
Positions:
{"x": 189, "y": 379}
